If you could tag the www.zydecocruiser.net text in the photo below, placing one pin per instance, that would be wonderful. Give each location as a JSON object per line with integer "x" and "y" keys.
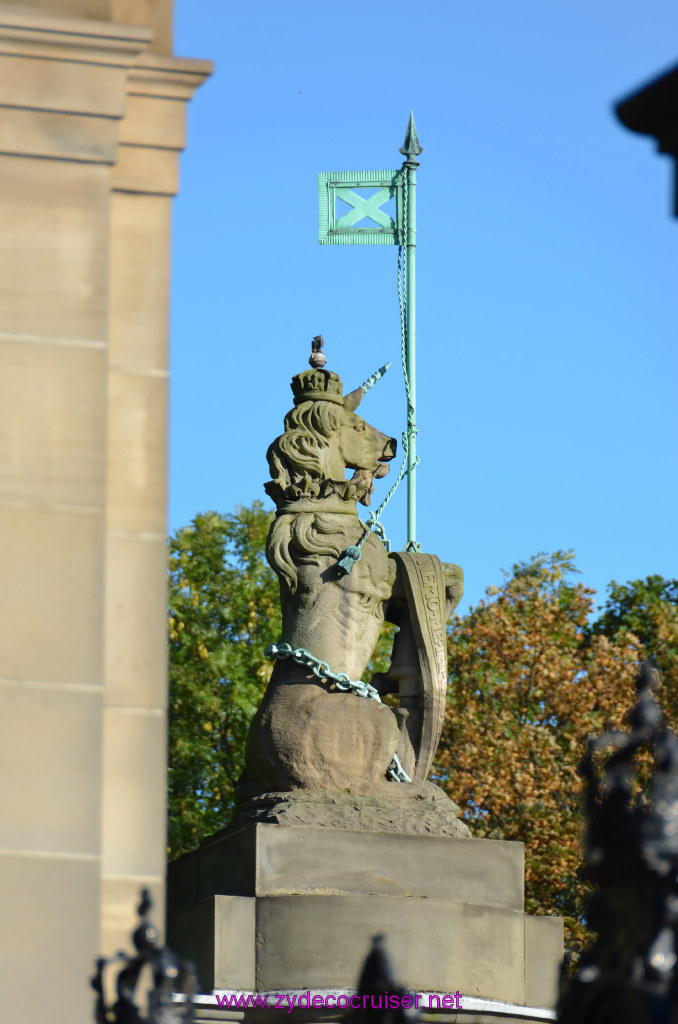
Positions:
{"x": 290, "y": 1001}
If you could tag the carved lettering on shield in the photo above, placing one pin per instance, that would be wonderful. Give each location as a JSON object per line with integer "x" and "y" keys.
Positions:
{"x": 435, "y": 602}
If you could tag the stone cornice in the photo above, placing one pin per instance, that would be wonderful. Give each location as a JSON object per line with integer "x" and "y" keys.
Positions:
{"x": 152, "y": 133}
{"x": 84, "y": 90}
{"x": 34, "y": 33}
{"x": 165, "y": 77}
{"x": 63, "y": 83}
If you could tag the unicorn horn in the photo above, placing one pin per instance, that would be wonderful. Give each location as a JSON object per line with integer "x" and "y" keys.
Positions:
{"x": 353, "y": 399}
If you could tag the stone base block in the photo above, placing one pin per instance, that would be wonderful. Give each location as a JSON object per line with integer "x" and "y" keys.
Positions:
{"x": 275, "y": 908}
{"x": 277, "y": 860}
{"x": 543, "y": 956}
{"x": 321, "y": 942}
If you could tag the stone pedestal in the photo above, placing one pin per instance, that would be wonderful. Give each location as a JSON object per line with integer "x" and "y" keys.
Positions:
{"x": 272, "y": 908}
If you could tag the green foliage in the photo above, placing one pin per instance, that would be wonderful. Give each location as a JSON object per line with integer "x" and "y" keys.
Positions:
{"x": 634, "y": 606}
{"x": 648, "y": 610}
{"x": 223, "y": 612}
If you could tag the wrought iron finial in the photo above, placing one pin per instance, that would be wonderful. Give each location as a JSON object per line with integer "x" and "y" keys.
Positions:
{"x": 317, "y": 359}
{"x": 410, "y": 147}
{"x": 170, "y": 1000}
{"x": 629, "y": 974}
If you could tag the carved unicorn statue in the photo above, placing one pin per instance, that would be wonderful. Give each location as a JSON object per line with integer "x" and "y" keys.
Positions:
{"x": 314, "y": 729}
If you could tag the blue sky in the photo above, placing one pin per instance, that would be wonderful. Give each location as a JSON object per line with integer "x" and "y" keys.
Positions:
{"x": 546, "y": 267}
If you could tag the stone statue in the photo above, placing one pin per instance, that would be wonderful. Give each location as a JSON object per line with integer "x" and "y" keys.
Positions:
{"x": 337, "y": 584}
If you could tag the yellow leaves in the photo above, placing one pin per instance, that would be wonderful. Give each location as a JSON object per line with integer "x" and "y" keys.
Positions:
{"x": 175, "y": 628}
{"x": 252, "y": 616}
{"x": 264, "y": 671}
{"x": 202, "y": 651}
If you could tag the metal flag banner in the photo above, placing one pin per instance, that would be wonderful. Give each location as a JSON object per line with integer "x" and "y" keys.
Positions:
{"x": 337, "y": 228}
{"x": 362, "y": 220}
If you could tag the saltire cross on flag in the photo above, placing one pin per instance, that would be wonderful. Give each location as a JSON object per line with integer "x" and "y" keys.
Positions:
{"x": 365, "y": 193}
{"x": 351, "y": 211}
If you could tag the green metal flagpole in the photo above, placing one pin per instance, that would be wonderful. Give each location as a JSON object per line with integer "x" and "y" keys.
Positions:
{"x": 363, "y": 221}
{"x": 411, "y": 149}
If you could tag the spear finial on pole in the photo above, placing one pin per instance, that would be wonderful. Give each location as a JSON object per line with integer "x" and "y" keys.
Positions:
{"x": 411, "y": 149}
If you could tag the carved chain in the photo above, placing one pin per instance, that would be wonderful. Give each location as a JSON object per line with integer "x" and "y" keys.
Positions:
{"x": 321, "y": 670}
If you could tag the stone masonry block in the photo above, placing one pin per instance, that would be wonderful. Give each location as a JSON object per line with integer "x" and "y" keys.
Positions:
{"x": 269, "y": 860}
{"x": 137, "y": 456}
{"x": 451, "y": 909}
{"x": 436, "y": 945}
{"x": 51, "y": 597}
{"x": 50, "y": 936}
{"x": 219, "y": 936}
{"x": 54, "y": 430}
{"x": 133, "y": 835}
{"x": 136, "y": 621}
{"x": 543, "y": 955}
{"x": 50, "y": 743}
{"x": 54, "y": 248}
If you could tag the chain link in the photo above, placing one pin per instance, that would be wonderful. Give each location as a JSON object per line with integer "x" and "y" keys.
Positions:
{"x": 321, "y": 670}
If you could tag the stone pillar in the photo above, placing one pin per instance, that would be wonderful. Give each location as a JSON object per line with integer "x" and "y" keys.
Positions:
{"x": 145, "y": 179}
{"x": 82, "y": 487}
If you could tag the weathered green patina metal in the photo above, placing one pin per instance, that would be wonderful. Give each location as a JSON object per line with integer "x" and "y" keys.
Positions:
{"x": 357, "y": 190}
{"x": 411, "y": 149}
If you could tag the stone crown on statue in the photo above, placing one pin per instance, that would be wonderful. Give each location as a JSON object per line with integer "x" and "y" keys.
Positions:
{"x": 317, "y": 386}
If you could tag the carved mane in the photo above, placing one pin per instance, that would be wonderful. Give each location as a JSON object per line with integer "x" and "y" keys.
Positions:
{"x": 306, "y": 537}
{"x": 298, "y": 459}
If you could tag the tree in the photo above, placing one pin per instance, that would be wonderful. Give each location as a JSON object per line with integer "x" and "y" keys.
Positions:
{"x": 223, "y": 612}
{"x": 529, "y": 682}
{"x": 647, "y": 609}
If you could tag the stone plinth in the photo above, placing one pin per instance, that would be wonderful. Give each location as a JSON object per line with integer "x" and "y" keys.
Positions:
{"x": 273, "y": 908}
